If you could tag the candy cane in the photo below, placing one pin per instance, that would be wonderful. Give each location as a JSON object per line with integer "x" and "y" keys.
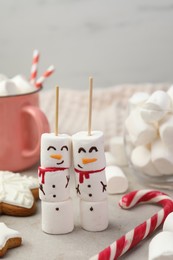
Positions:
{"x": 133, "y": 237}
{"x": 34, "y": 67}
{"x": 45, "y": 75}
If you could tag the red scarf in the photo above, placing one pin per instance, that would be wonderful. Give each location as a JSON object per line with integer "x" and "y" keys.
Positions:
{"x": 42, "y": 171}
{"x": 86, "y": 174}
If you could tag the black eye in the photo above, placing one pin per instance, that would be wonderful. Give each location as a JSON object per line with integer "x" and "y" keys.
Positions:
{"x": 64, "y": 147}
{"x": 81, "y": 149}
{"x": 51, "y": 147}
{"x": 93, "y": 148}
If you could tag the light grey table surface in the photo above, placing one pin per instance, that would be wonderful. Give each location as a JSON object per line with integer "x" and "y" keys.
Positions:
{"x": 79, "y": 244}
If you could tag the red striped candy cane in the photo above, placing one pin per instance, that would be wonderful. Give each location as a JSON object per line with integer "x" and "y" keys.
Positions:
{"x": 133, "y": 237}
{"x": 45, "y": 75}
{"x": 34, "y": 67}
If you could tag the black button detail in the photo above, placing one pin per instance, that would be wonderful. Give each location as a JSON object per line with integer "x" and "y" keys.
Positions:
{"x": 53, "y": 186}
{"x": 54, "y": 196}
{"x": 90, "y": 195}
{"x": 57, "y": 209}
{"x": 91, "y": 209}
{"x": 89, "y": 186}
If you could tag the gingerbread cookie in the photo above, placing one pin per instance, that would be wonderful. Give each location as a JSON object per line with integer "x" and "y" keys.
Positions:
{"x": 9, "y": 238}
{"x": 17, "y": 194}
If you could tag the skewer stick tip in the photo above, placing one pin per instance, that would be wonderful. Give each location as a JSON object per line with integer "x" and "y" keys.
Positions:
{"x": 56, "y": 109}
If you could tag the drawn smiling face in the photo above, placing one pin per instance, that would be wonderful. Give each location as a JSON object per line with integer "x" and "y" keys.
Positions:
{"x": 88, "y": 151}
{"x": 55, "y": 150}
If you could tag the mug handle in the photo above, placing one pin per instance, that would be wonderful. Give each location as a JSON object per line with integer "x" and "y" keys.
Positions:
{"x": 41, "y": 125}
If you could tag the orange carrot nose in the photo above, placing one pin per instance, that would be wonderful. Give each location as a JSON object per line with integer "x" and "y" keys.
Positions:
{"x": 88, "y": 160}
{"x": 56, "y": 156}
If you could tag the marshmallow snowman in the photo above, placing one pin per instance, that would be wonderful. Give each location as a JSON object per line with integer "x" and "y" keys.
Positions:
{"x": 89, "y": 166}
{"x": 54, "y": 180}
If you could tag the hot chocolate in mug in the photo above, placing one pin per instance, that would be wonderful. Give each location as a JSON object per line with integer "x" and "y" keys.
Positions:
{"x": 21, "y": 126}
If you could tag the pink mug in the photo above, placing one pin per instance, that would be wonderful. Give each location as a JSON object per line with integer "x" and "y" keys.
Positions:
{"x": 21, "y": 126}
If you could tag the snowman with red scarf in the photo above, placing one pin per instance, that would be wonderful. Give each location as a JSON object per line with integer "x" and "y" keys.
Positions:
{"x": 54, "y": 177}
{"x": 89, "y": 166}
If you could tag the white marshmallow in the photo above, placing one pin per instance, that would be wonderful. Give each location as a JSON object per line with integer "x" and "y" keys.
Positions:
{"x": 3, "y": 77}
{"x": 7, "y": 88}
{"x": 116, "y": 180}
{"x": 162, "y": 157}
{"x": 139, "y": 131}
{"x": 55, "y": 187}
{"x": 89, "y": 163}
{"x": 52, "y": 146}
{"x": 22, "y": 84}
{"x": 157, "y": 105}
{"x": 57, "y": 217}
{"x": 117, "y": 148}
{"x": 110, "y": 160}
{"x": 94, "y": 215}
{"x": 166, "y": 130}
{"x": 137, "y": 99}
{"x": 170, "y": 93}
{"x": 168, "y": 223}
{"x": 141, "y": 158}
{"x": 161, "y": 246}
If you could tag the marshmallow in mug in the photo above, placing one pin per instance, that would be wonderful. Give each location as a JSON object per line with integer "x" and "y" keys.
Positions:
{"x": 157, "y": 105}
{"x": 94, "y": 215}
{"x": 15, "y": 86}
{"x": 116, "y": 180}
{"x": 89, "y": 163}
{"x": 141, "y": 158}
{"x": 162, "y": 157}
{"x": 57, "y": 217}
{"x": 139, "y": 131}
{"x": 161, "y": 246}
{"x": 55, "y": 157}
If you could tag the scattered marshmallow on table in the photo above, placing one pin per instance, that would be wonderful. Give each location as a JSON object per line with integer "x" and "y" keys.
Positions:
{"x": 162, "y": 157}
{"x": 161, "y": 246}
{"x": 157, "y": 105}
{"x": 117, "y": 149}
{"x": 168, "y": 223}
{"x": 141, "y": 158}
{"x": 91, "y": 186}
{"x": 139, "y": 131}
{"x": 54, "y": 177}
{"x": 116, "y": 180}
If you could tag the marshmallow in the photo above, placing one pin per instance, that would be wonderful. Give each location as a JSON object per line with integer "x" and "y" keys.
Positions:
{"x": 157, "y": 105}
{"x": 89, "y": 163}
{"x": 22, "y": 84}
{"x": 7, "y": 88}
{"x": 116, "y": 180}
{"x": 110, "y": 160}
{"x": 168, "y": 223}
{"x": 139, "y": 131}
{"x": 117, "y": 148}
{"x": 170, "y": 93}
{"x": 141, "y": 158}
{"x": 55, "y": 150}
{"x": 94, "y": 215}
{"x": 161, "y": 246}
{"x": 57, "y": 218}
{"x": 162, "y": 157}
{"x": 3, "y": 77}
{"x": 137, "y": 99}
{"x": 166, "y": 130}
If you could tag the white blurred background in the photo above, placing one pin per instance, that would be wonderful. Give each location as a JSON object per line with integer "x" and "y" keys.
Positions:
{"x": 115, "y": 41}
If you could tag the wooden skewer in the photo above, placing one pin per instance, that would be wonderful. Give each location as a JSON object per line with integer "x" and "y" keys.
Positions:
{"x": 56, "y": 109}
{"x": 90, "y": 104}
